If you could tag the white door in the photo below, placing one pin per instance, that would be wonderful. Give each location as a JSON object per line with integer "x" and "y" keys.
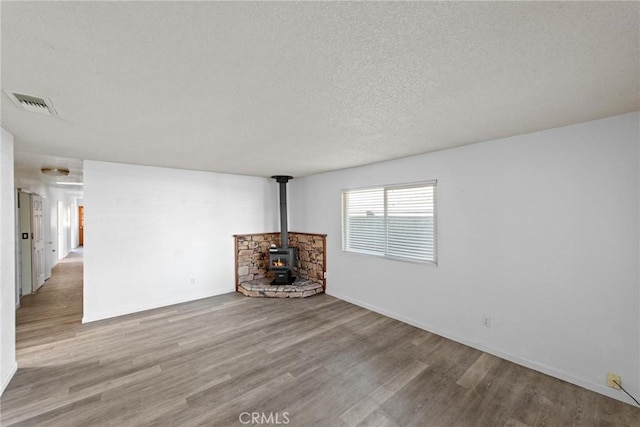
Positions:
{"x": 37, "y": 257}
{"x": 24, "y": 220}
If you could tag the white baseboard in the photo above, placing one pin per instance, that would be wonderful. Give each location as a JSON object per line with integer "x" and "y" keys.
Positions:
{"x": 531, "y": 364}
{"x": 7, "y": 379}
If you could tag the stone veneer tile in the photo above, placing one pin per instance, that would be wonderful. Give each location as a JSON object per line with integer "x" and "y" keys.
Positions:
{"x": 263, "y": 288}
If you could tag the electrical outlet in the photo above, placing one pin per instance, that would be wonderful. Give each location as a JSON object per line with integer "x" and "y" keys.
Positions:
{"x": 612, "y": 379}
{"x": 486, "y": 321}
{"x": 325, "y": 274}
{"x": 193, "y": 280}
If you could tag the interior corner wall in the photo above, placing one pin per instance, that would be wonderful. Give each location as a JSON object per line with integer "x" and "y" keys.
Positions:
{"x": 8, "y": 365}
{"x": 157, "y": 236}
{"x": 539, "y": 232}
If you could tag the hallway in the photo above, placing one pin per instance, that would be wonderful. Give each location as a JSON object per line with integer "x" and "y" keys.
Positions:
{"x": 55, "y": 311}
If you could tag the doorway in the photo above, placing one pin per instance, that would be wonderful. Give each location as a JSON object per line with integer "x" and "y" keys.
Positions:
{"x": 37, "y": 241}
{"x": 80, "y": 225}
{"x": 24, "y": 224}
{"x": 61, "y": 234}
{"x": 31, "y": 248}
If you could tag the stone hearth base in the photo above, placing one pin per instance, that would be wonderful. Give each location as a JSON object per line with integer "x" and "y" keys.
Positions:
{"x": 301, "y": 288}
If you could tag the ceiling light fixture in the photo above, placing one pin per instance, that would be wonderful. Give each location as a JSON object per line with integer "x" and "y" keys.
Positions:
{"x": 55, "y": 171}
{"x": 69, "y": 183}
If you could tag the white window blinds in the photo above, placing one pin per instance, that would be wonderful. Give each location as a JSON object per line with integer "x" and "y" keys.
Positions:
{"x": 394, "y": 222}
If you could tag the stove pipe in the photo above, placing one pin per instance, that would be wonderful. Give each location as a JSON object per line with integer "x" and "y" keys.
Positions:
{"x": 284, "y": 228}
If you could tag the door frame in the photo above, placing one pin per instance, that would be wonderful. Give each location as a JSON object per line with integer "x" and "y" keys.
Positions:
{"x": 80, "y": 225}
{"x": 60, "y": 236}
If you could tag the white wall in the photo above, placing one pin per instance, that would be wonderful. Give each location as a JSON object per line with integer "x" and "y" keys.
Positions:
{"x": 540, "y": 232}
{"x": 8, "y": 365}
{"x": 149, "y": 231}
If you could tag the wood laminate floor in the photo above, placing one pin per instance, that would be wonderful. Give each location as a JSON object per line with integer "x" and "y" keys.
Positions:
{"x": 300, "y": 362}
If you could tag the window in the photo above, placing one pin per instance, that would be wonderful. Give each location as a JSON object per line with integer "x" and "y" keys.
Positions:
{"x": 396, "y": 222}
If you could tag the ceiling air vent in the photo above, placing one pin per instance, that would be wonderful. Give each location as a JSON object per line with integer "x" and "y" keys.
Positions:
{"x": 33, "y": 103}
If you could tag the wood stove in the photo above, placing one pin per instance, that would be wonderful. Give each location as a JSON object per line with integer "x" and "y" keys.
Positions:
{"x": 282, "y": 259}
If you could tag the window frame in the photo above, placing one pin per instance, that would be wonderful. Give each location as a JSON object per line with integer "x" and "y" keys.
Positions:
{"x": 385, "y": 189}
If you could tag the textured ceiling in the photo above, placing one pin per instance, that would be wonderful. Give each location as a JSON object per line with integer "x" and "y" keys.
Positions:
{"x": 300, "y": 88}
